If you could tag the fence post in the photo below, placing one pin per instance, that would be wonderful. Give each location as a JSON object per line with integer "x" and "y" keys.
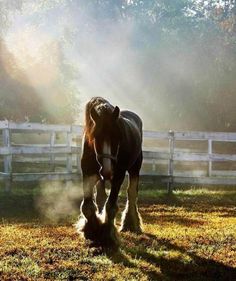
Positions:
{"x": 52, "y": 155}
{"x": 7, "y": 158}
{"x": 171, "y": 160}
{"x": 69, "y": 155}
{"x": 209, "y": 154}
{"x": 78, "y": 155}
{"x": 153, "y": 165}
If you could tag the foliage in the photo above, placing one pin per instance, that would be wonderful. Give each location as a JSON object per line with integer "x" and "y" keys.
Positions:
{"x": 184, "y": 52}
{"x": 18, "y": 101}
{"x": 21, "y": 100}
{"x": 189, "y": 236}
{"x": 5, "y": 7}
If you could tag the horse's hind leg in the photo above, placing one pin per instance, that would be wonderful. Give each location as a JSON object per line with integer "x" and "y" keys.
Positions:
{"x": 131, "y": 218}
{"x": 101, "y": 196}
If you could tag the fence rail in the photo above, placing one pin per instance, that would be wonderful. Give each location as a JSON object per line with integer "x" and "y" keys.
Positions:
{"x": 175, "y": 160}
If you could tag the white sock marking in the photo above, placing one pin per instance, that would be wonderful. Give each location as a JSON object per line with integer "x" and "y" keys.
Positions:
{"x": 106, "y": 161}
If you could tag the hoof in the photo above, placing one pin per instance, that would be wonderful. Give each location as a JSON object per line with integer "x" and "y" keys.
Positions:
{"x": 110, "y": 236}
{"x": 90, "y": 229}
{"x": 137, "y": 230}
{"x": 131, "y": 221}
{"x": 103, "y": 235}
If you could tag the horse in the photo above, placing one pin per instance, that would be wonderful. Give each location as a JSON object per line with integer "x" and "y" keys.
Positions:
{"x": 111, "y": 146}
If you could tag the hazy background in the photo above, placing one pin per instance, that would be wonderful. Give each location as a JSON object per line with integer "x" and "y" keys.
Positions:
{"x": 171, "y": 61}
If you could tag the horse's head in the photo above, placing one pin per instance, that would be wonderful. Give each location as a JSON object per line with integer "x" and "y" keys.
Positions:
{"x": 106, "y": 136}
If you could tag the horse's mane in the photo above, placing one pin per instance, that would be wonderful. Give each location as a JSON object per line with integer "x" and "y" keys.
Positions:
{"x": 102, "y": 106}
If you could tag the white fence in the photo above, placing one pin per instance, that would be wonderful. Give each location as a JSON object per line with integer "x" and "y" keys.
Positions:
{"x": 211, "y": 160}
{"x": 172, "y": 157}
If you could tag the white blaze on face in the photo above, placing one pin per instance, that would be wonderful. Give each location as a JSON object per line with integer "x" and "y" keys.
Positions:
{"x": 106, "y": 161}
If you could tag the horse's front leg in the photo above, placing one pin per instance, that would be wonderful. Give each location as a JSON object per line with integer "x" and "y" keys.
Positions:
{"x": 101, "y": 195}
{"x": 89, "y": 223}
{"x": 88, "y": 206}
{"x": 110, "y": 235}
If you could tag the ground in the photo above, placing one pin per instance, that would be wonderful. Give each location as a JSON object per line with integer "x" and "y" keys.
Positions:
{"x": 190, "y": 235}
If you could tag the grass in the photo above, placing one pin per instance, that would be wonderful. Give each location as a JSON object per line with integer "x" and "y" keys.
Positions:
{"x": 190, "y": 235}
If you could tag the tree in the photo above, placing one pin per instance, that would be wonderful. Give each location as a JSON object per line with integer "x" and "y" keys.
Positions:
{"x": 18, "y": 100}
{"x": 21, "y": 100}
{"x": 181, "y": 58}
{"x": 59, "y": 93}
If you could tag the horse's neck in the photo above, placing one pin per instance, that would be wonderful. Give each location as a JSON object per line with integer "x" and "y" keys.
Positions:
{"x": 131, "y": 135}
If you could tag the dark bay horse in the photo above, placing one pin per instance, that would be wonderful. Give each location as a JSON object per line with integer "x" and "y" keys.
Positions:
{"x": 112, "y": 145}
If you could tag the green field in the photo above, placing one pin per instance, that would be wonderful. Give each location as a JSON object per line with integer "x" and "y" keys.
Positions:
{"x": 190, "y": 235}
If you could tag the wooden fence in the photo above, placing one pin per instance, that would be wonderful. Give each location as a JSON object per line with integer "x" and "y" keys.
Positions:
{"x": 172, "y": 157}
{"x": 209, "y": 159}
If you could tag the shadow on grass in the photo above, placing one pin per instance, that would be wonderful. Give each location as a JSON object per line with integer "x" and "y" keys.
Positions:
{"x": 176, "y": 219}
{"x": 21, "y": 205}
{"x": 120, "y": 257}
{"x": 197, "y": 269}
{"x": 202, "y": 200}
{"x": 228, "y": 213}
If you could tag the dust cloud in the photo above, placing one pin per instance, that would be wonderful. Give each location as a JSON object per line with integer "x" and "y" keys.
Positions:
{"x": 58, "y": 201}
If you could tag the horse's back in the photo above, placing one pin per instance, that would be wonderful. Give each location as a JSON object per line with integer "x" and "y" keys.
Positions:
{"x": 133, "y": 118}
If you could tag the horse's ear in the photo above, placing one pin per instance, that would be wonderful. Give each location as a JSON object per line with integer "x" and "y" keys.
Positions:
{"x": 116, "y": 113}
{"x": 94, "y": 114}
